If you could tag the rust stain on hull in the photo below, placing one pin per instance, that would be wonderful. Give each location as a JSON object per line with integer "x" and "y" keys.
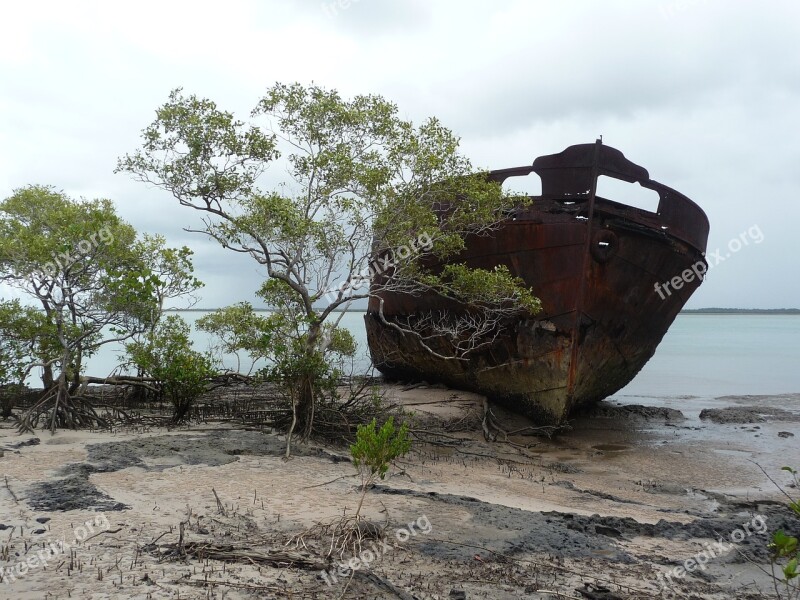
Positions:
{"x": 593, "y": 262}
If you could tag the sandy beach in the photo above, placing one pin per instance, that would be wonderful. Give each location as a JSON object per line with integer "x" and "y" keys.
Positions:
{"x": 612, "y": 508}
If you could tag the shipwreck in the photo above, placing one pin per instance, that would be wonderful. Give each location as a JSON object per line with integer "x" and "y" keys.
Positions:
{"x": 599, "y": 268}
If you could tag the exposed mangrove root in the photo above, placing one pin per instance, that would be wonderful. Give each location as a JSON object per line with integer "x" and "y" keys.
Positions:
{"x": 104, "y": 402}
{"x": 340, "y": 537}
{"x": 59, "y": 408}
{"x": 492, "y": 428}
{"x": 336, "y": 419}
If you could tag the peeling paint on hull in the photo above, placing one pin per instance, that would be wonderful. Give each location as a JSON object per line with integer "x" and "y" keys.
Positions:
{"x": 593, "y": 262}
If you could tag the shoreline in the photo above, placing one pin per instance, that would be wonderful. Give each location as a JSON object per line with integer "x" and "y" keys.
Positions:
{"x": 631, "y": 492}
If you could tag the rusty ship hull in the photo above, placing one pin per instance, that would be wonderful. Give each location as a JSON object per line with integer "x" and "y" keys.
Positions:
{"x": 594, "y": 263}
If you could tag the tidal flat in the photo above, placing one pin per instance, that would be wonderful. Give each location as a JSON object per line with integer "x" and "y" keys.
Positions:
{"x": 630, "y": 501}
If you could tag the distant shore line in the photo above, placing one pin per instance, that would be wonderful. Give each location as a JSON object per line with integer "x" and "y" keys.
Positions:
{"x": 688, "y": 311}
{"x": 741, "y": 311}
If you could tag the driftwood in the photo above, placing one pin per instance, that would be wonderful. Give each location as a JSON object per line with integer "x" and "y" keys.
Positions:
{"x": 382, "y": 584}
{"x": 283, "y": 559}
{"x": 119, "y": 380}
{"x": 276, "y": 558}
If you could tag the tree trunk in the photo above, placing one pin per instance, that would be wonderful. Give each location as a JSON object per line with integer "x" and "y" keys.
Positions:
{"x": 291, "y": 429}
{"x": 47, "y": 377}
{"x": 306, "y": 392}
{"x": 305, "y": 407}
{"x": 75, "y": 374}
{"x": 7, "y": 401}
{"x": 61, "y": 409}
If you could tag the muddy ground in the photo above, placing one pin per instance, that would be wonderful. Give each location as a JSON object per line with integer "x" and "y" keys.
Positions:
{"x": 606, "y": 509}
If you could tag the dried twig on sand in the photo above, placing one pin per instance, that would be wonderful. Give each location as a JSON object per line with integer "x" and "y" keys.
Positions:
{"x": 220, "y": 505}
{"x": 13, "y": 495}
{"x": 231, "y": 553}
{"x": 382, "y": 584}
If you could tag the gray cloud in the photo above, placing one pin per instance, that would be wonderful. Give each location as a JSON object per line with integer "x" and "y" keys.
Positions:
{"x": 703, "y": 93}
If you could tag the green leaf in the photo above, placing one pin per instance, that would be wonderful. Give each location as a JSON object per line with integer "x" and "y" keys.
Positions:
{"x": 790, "y": 570}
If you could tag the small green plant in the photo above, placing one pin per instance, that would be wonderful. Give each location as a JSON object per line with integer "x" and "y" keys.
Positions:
{"x": 166, "y": 355}
{"x": 786, "y": 552}
{"x": 793, "y": 504}
{"x": 374, "y": 451}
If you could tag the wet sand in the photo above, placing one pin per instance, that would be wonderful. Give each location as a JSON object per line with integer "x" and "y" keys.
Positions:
{"x": 629, "y": 493}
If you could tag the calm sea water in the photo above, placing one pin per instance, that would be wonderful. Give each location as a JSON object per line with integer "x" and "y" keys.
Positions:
{"x": 704, "y": 356}
{"x": 720, "y": 355}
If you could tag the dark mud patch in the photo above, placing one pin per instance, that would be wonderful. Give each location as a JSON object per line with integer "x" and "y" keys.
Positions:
{"x": 71, "y": 493}
{"x": 634, "y": 412}
{"x": 509, "y": 531}
{"x": 214, "y": 449}
{"x": 506, "y": 531}
{"x": 664, "y": 487}
{"x": 74, "y": 490}
{"x": 15, "y": 447}
{"x": 568, "y": 485}
{"x": 563, "y": 467}
{"x": 747, "y": 414}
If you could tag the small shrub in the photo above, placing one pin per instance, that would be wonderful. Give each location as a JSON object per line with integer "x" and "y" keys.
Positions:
{"x": 167, "y": 356}
{"x": 374, "y": 451}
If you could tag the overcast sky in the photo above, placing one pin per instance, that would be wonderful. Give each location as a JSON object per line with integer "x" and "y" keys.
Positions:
{"x": 705, "y": 94}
